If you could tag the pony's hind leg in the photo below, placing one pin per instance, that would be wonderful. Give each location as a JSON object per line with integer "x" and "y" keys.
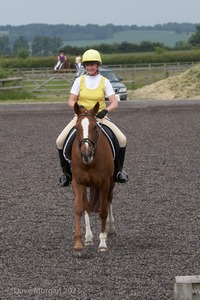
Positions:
{"x": 110, "y": 221}
{"x": 88, "y": 234}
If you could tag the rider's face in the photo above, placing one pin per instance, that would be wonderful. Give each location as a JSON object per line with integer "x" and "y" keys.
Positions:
{"x": 92, "y": 68}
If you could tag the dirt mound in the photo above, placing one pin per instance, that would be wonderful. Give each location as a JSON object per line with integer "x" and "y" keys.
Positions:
{"x": 182, "y": 86}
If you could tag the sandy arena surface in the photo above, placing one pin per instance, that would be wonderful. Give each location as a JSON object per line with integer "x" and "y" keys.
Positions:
{"x": 156, "y": 214}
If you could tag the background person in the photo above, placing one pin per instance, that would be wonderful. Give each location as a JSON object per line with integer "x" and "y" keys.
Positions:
{"x": 78, "y": 60}
{"x": 61, "y": 58}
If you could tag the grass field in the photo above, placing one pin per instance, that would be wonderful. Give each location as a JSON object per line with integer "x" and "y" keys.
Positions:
{"x": 168, "y": 38}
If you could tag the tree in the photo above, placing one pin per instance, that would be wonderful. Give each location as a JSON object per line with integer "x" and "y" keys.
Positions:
{"x": 45, "y": 45}
{"x": 20, "y": 44}
{"x": 182, "y": 45}
{"x": 38, "y": 46}
{"x": 23, "y": 53}
{"x": 4, "y": 45}
{"x": 56, "y": 44}
{"x": 194, "y": 40}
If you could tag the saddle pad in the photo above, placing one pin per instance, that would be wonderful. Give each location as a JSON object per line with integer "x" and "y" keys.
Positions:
{"x": 68, "y": 144}
{"x": 110, "y": 136}
{"x": 72, "y": 134}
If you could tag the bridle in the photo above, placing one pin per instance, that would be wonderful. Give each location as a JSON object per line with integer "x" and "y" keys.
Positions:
{"x": 91, "y": 142}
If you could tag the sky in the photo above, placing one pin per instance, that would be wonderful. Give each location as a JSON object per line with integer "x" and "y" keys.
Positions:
{"x": 102, "y": 12}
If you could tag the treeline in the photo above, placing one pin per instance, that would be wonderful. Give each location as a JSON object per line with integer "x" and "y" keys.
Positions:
{"x": 41, "y": 46}
{"x": 46, "y": 46}
{"x": 88, "y": 32}
{"x": 126, "y": 47}
{"x": 145, "y": 46}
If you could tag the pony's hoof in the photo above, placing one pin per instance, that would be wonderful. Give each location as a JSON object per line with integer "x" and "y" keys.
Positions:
{"x": 89, "y": 243}
{"x": 78, "y": 246}
{"x": 89, "y": 240}
{"x": 102, "y": 249}
{"x": 112, "y": 233}
{"x": 78, "y": 253}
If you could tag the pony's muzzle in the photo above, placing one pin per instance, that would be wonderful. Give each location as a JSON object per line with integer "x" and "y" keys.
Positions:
{"x": 87, "y": 151}
{"x": 87, "y": 158}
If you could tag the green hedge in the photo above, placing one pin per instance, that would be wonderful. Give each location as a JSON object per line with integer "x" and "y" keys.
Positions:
{"x": 108, "y": 59}
{"x": 30, "y": 62}
{"x": 152, "y": 57}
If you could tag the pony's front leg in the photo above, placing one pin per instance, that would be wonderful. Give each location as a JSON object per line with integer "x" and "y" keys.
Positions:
{"x": 102, "y": 246}
{"x": 110, "y": 221}
{"x": 78, "y": 210}
{"x": 103, "y": 215}
{"x": 88, "y": 234}
{"x": 78, "y": 235}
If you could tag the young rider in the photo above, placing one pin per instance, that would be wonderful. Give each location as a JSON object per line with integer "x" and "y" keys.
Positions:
{"x": 78, "y": 60}
{"x": 87, "y": 90}
{"x": 61, "y": 58}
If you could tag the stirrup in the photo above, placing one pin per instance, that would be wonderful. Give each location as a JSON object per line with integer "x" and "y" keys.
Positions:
{"x": 121, "y": 177}
{"x": 65, "y": 180}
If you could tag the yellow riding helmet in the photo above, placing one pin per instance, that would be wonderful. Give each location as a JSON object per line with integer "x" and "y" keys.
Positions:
{"x": 91, "y": 55}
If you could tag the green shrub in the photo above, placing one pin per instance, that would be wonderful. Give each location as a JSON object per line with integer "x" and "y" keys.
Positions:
{"x": 15, "y": 95}
{"x": 23, "y": 53}
{"x": 160, "y": 50}
{"x": 5, "y": 73}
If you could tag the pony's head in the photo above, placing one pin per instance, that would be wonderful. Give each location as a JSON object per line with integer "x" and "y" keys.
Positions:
{"x": 87, "y": 131}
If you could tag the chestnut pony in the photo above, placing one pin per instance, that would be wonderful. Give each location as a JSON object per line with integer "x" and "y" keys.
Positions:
{"x": 92, "y": 168}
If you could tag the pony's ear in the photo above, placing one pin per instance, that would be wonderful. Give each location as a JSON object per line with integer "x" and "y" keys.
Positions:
{"x": 96, "y": 108}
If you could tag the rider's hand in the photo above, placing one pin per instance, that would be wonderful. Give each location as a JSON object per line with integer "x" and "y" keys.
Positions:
{"x": 101, "y": 114}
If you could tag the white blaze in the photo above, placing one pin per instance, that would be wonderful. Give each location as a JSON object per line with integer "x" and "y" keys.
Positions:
{"x": 85, "y": 125}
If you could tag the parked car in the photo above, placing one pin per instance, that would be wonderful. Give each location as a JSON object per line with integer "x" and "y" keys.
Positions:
{"x": 119, "y": 88}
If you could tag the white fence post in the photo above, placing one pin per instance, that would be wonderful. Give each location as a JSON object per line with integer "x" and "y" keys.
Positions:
{"x": 187, "y": 288}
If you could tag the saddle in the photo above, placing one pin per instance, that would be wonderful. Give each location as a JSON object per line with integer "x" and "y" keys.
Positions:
{"x": 114, "y": 144}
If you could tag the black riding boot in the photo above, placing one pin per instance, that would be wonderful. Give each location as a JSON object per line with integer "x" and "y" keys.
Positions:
{"x": 119, "y": 175}
{"x": 66, "y": 177}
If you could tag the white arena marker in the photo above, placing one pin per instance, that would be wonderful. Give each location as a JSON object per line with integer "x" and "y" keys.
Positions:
{"x": 187, "y": 288}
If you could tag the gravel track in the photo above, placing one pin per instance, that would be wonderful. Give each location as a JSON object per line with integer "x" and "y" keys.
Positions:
{"x": 157, "y": 213}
